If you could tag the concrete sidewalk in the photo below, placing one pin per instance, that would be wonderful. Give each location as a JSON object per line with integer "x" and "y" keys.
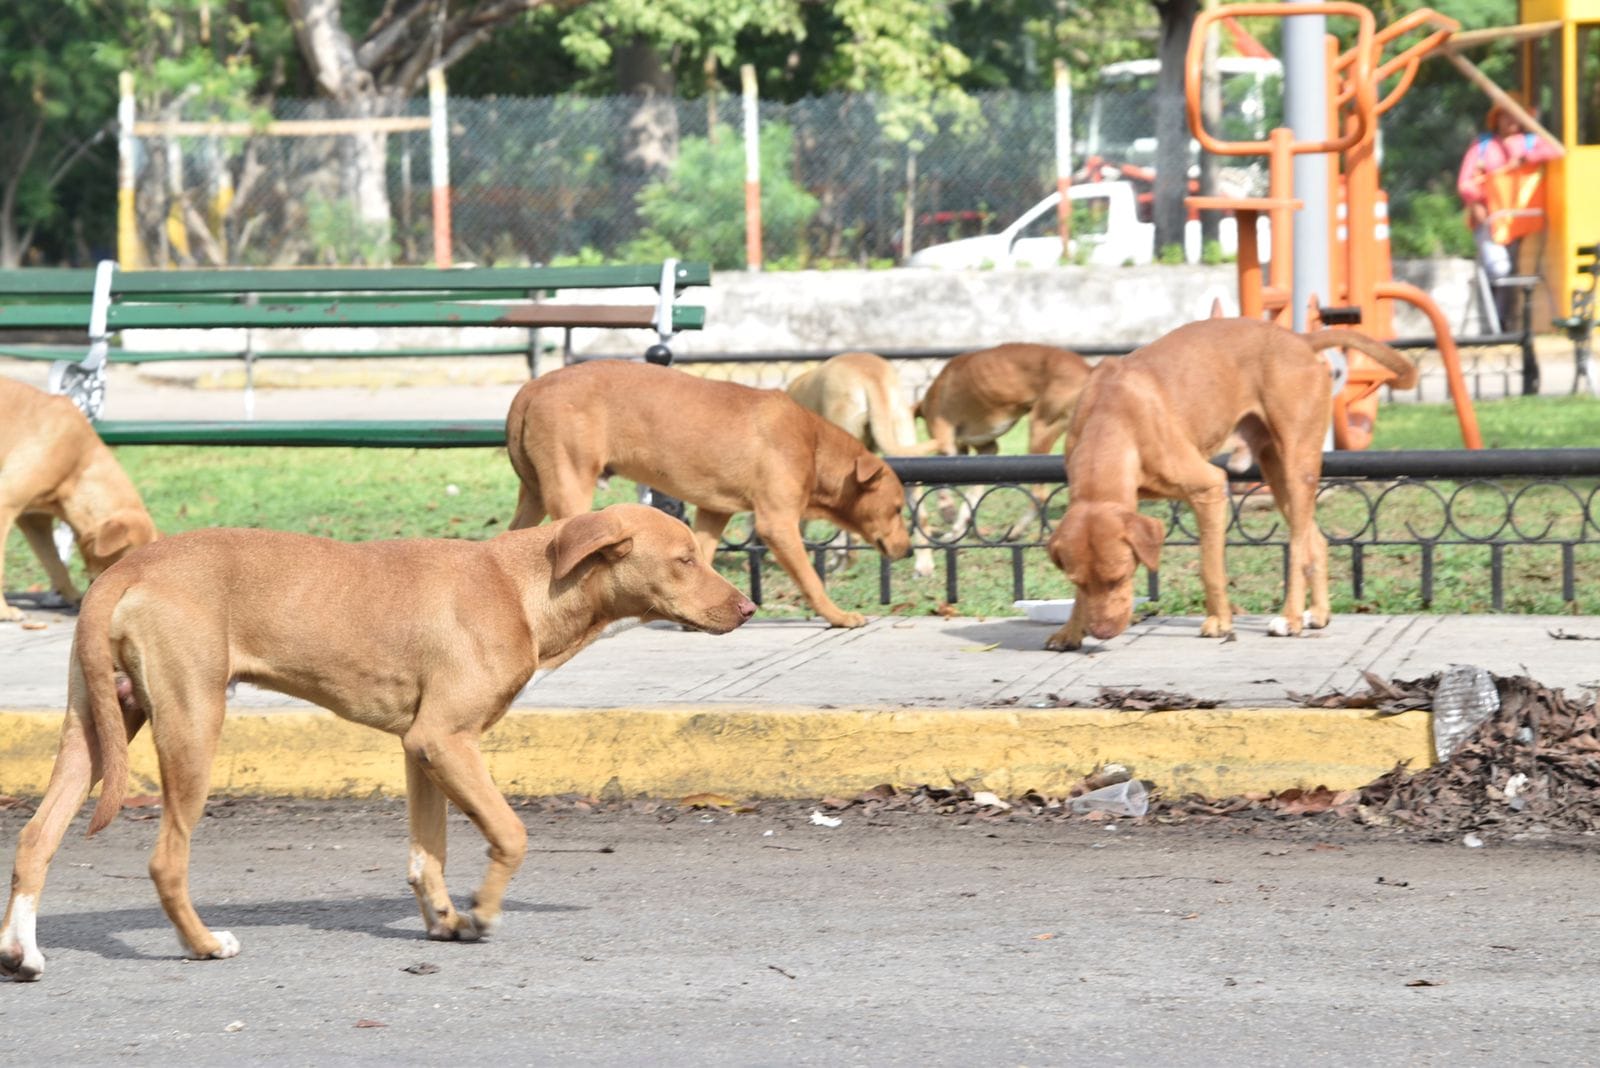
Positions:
{"x": 796, "y": 709}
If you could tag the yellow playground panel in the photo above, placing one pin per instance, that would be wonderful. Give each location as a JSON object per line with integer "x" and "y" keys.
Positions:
{"x": 1561, "y": 75}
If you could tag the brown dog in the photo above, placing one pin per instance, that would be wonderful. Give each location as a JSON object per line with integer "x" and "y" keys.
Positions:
{"x": 720, "y": 446}
{"x": 978, "y": 396}
{"x": 54, "y": 466}
{"x": 1147, "y": 426}
{"x": 427, "y": 639}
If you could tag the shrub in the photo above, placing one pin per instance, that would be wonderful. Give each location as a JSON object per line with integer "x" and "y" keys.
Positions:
{"x": 696, "y": 211}
{"x": 1430, "y": 224}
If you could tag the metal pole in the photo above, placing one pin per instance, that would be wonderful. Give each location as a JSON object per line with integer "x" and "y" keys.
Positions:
{"x": 1064, "y": 154}
{"x": 128, "y": 254}
{"x": 752, "y": 169}
{"x": 439, "y": 141}
{"x": 1305, "y": 105}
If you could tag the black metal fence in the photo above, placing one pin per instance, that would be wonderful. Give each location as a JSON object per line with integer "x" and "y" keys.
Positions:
{"x": 1430, "y": 504}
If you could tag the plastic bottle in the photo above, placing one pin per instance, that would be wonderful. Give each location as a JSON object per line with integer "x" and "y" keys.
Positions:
{"x": 1466, "y": 696}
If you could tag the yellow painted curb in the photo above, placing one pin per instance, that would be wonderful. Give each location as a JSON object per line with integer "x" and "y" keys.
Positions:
{"x": 791, "y": 753}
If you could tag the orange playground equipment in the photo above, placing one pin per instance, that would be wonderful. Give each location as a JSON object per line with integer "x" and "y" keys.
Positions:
{"x": 1360, "y": 276}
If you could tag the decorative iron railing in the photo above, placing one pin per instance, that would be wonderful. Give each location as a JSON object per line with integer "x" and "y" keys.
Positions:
{"x": 1431, "y": 503}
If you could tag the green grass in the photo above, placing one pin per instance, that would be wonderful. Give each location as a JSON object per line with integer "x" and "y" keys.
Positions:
{"x": 1512, "y": 423}
{"x": 360, "y": 494}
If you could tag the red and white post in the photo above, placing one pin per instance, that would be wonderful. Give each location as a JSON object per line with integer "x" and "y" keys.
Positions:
{"x": 1064, "y": 153}
{"x": 752, "y": 169}
{"x": 439, "y": 165}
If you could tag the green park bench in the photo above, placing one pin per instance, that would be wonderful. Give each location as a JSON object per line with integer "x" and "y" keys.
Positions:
{"x": 44, "y": 300}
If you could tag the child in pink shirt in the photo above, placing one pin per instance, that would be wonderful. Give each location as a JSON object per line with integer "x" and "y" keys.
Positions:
{"x": 1506, "y": 144}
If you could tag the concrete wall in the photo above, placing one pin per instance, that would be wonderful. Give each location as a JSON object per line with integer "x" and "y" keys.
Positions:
{"x": 834, "y": 310}
{"x": 838, "y": 310}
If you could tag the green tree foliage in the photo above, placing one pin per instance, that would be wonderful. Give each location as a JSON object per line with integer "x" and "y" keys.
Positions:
{"x": 896, "y": 48}
{"x": 59, "y": 61}
{"x": 54, "y": 107}
{"x": 697, "y": 211}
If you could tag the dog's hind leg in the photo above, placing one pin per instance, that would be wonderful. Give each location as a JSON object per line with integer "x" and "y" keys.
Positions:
{"x": 425, "y": 804}
{"x": 530, "y": 508}
{"x": 75, "y": 772}
{"x": 187, "y": 701}
{"x": 454, "y": 762}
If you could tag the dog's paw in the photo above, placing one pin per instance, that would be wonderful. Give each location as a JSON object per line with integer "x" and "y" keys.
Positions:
{"x": 1216, "y": 627}
{"x": 1064, "y": 641}
{"x": 226, "y": 946}
{"x": 848, "y": 619}
{"x": 10, "y": 613}
{"x": 22, "y": 965}
{"x": 1312, "y": 622}
{"x": 1283, "y": 627}
{"x": 457, "y": 927}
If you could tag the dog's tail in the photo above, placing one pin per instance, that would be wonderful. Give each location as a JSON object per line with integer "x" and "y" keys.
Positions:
{"x": 94, "y": 660}
{"x": 1405, "y": 372}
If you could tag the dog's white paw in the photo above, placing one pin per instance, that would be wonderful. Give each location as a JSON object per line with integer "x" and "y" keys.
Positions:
{"x": 459, "y": 927}
{"x": 1278, "y": 627}
{"x": 19, "y": 944}
{"x": 227, "y": 946}
{"x": 22, "y": 964}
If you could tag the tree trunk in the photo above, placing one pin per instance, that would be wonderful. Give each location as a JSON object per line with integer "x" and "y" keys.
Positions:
{"x": 330, "y": 52}
{"x": 13, "y": 244}
{"x": 651, "y": 143}
{"x": 1172, "y": 128}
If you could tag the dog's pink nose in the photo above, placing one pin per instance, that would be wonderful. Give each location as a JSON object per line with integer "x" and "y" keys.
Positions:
{"x": 747, "y": 608}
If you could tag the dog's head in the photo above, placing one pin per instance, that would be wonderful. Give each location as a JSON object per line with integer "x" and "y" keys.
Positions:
{"x": 113, "y": 538}
{"x": 646, "y": 565}
{"x": 1098, "y": 544}
{"x": 872, "y": 503}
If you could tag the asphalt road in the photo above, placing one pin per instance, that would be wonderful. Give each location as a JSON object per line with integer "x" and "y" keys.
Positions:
{"x": 687, "y": 938}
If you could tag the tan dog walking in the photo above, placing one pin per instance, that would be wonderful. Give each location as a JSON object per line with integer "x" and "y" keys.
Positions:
{"x": 720, "y": 446}
{"x": 54, "y": 466}
{"x": 1147, "y": 426}
{"x": 425, "y": 639}
{"x": 860, "y": 392}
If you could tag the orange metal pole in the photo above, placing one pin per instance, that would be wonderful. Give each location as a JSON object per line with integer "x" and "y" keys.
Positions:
{"x": 1465, "y": 416}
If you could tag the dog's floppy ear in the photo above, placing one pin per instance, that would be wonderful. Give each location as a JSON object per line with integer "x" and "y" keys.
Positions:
{"x": 869, "y": 467}
{"x": 1145, "y": 534}
{"x": 584, "y": 535}
{"x": 117, "y": 535}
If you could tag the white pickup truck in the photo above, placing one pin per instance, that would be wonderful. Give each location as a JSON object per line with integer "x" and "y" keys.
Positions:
{"x": 1114, "y": 236}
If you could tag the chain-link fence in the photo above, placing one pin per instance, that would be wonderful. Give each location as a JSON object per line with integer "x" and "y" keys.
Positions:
{"x": 553, "y": 179}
